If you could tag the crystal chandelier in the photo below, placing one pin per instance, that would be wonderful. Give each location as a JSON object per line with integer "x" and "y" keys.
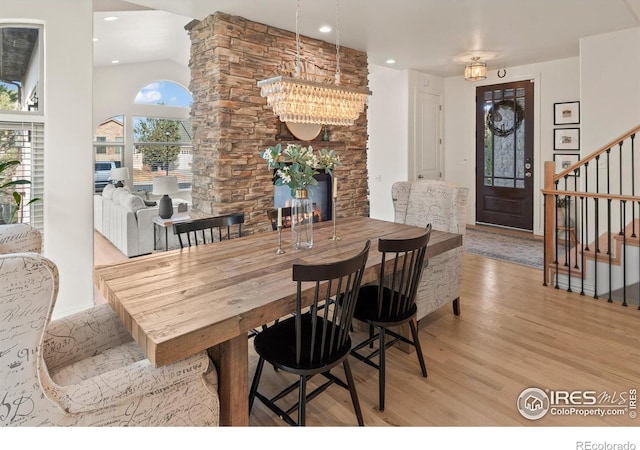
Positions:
{"x": 476, "y": 70}
{"x": 301, "y": 99}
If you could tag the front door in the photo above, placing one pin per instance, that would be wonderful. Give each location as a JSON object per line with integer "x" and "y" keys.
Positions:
{"x": 504, "y": 155}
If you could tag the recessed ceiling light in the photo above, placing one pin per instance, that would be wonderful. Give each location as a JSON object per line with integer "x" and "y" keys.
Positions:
{"x": 95, "y": 39}
{"x": 115, "y": 61}
{"x": 110, "y": 18}
{"x": 390, "y": 61}
{"x": 325, "y": 29}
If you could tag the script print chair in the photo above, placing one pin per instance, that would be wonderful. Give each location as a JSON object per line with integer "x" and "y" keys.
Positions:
{"x": 204, "y": 230}
{"x": 18, "y": 238}
{"x": 85, "y": 369}
{"x": 444, "y": 206}
{"x": 391, "y": 303}
{"x": 315, "y": 339}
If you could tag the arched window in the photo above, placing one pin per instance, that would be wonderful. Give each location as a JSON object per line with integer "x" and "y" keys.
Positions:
{"x": 164, "y": 93}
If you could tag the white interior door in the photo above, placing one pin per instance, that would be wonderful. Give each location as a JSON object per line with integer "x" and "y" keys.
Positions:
{"x": 427, "y": 136}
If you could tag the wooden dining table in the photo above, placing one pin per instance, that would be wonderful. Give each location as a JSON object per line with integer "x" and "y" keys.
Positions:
{"x": 209, "y": 297}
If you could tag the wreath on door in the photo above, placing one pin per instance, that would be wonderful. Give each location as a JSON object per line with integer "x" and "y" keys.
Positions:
{"x": 495, "y": 116}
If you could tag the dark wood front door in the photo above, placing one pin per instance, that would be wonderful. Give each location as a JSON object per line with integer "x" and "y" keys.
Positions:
{"x": 504, "y": 155}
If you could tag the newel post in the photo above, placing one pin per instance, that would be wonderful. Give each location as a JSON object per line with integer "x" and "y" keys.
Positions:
{"x": 549, "y": 219}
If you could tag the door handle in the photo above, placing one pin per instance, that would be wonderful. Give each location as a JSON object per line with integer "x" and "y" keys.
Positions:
{"x": 420, "y": 176}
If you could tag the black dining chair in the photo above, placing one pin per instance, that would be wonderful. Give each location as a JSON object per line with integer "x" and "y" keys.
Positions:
{"x": 391, "y": 303}
{"x": 198, "y": 228}
{"x": 314, "y": 340}
{"x": 272, "y": 214}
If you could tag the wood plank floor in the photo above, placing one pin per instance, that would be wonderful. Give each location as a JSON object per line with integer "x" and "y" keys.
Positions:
{"x": 512, "y": 334}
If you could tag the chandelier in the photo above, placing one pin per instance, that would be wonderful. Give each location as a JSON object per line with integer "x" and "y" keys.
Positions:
{"x": 302, "y": 99}
{"x": 476, "y": 70}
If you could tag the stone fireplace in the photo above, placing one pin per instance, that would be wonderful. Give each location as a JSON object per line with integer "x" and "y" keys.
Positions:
{"x": 232, "y": 124}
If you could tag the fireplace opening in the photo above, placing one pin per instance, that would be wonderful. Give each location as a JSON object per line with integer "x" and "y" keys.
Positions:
{"x": 320, "y": 196}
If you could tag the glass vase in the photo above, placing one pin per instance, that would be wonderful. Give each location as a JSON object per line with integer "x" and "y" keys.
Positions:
{"x": 302, "y": 220}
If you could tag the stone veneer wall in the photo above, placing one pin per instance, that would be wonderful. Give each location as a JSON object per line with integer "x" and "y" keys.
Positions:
{"x": 232, "y": 124}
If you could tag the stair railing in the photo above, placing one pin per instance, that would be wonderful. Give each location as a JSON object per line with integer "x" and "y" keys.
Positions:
{"x": 580, "y": 210}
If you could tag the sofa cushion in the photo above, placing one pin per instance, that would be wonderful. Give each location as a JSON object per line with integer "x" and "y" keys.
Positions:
{"x": 132, "y": 202}
{"x": 119, "y": 192}
{"x": 108, "y": 191}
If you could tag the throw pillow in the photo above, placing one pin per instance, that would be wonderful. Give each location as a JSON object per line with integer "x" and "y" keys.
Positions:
{"x": 144, "y": 195}
{"x": 132, "y": 202}
{"x": 150, "y": 203}
{"x": 118, "y": 193}
{"x": 108, "y": 191}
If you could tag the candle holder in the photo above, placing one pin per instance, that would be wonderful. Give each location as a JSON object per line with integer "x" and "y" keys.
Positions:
{"x": 334, "y": 237}
{"x": 279, "y": 251}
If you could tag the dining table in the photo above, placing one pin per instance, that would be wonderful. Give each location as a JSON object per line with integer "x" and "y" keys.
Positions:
{"x": 210, "y": 297}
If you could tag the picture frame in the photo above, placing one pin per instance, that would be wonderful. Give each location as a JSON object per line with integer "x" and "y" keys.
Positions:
{"x": 566, "y": 139}
{"x": 565, "y": 160}
{"x": 566, "y": 113}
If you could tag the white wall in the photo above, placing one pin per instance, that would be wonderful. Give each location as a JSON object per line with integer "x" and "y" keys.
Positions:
{"x": 610, "y": 88}
{"x": 387, "y": 154}
{"x": 555, "y": 81}
{"x": 68, "y": 209}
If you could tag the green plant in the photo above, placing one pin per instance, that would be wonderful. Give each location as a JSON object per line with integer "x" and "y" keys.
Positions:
{"x": 563, "y": 201}
{"x": 296, "y": 165}
{"x": 8, "y": 187}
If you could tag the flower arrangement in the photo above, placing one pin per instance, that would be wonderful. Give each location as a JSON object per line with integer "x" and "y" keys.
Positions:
{"x": 296, "y": 165}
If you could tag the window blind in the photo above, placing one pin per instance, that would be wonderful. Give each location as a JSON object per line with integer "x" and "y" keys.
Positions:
{"x": 24, "y": 141}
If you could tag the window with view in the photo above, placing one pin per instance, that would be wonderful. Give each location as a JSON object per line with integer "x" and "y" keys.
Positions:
{"x": 108, "y": 150}
{"x": 161, "y": 147}
{"x": 22, "y": 128}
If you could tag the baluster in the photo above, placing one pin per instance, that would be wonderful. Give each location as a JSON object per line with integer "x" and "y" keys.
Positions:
{"x": 582, "y": 232}
{"x": 633, "y": 188}
{"x": 623, "y": 208}
{"x": 597, "y": 250}
{"x": 609, "y": 252}
{"x": 622, "y": 224}
{"x": 556, "y": 233}
{"x": 575, "y": 214}
{"x": 585, "y": 242}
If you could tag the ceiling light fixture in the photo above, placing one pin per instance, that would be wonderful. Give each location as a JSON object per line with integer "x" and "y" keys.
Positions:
{"x": 476, "y": 70}
{"x": 309, "y": 98}
{"x": 325, "y": 29}
{"x": 110, "y": 18}
{"x": 390, "y": 61}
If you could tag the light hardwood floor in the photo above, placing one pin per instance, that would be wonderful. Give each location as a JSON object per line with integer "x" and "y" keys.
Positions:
{"x": 512, "y": 334}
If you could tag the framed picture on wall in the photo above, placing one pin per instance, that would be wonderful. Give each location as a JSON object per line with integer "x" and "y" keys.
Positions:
{"x": 567, "y": 113}
{"x": 566, "y": 139}
{"x": 565, "y": 160}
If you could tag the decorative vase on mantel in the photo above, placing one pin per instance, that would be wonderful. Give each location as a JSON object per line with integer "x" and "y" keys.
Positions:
{"x": 302, "y": 220}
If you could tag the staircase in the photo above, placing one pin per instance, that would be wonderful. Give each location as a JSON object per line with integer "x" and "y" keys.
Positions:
{"x": 592, "y": 224}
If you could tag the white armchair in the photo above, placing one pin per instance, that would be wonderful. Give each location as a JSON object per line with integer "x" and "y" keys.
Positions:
{"x": 19, "y": 237}
{"x": 85, "y": 369}
{"x": 444, "y": 206}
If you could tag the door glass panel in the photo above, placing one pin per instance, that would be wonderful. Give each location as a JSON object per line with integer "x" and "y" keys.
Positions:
{"x": 503, "y": 182}
{"x": 504, "y": 137}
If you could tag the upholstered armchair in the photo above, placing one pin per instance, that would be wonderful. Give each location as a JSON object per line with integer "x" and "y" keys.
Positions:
{"x": 444, "y": 206}
{"x": 85, "y": 369}
{"x": 19, "y": 237}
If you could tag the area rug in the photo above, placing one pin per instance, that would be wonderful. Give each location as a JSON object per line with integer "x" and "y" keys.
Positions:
{"x": 520, "y": 250}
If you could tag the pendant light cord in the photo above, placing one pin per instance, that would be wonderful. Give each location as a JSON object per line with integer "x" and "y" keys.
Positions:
{"x": 337, "y": 79}
{"x": 297, "y": 74}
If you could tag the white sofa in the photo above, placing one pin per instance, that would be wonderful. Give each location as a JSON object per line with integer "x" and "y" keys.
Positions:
{"x": 124, "y": 219}
{"x": 444, "y": 206}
